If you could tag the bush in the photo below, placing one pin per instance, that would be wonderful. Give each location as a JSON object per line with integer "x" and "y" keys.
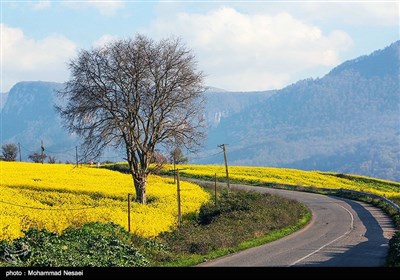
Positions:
{"x": 393, "y": 258}
{"x": 93, "y": 245}
{"x": 228, "y": 203}
{"x": 120, "y": 167}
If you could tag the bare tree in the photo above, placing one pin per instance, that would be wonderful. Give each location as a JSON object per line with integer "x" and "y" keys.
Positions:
{"x": 10, "y": 151}
{"x": 158, "y": 158}
{"x": 37, "y": 157}
{"x": 51, "y": 159}
{"x": 177, "y": 156}
{"x": 136, "y": 94}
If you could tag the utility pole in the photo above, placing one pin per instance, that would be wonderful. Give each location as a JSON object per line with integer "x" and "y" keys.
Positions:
{"x": 178, "y": 193}
{"x": 76, "y": 155}
{"x": 42, "y": 152}
{"x": 19, "y": 151}
{"x": 215, "y": 189}
{"x": 129, "y": 212}
{"x": 223, "y": 147}
{"x": 174, "y": 167}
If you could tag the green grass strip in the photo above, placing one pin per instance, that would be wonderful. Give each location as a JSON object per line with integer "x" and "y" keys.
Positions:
{"x": 192, "y": 260}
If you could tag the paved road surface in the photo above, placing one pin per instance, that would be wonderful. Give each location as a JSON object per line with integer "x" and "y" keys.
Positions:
{"x": 342, "y": 233}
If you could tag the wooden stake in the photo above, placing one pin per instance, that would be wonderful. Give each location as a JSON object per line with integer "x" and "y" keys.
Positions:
{"x": 178, "y": 197}
{"x": 215, "y": 189}
{"x": 129, "y": 212}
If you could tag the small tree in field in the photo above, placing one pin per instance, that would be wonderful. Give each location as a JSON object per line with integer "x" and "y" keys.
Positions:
{"x": 37, "y": 157}
{"x": 158, "y": 158}
{"x": 136, "y": 94}
{"x": 51, "y": 159}
{"x": 10, "y": 151}
{"x": 177, "y": 156}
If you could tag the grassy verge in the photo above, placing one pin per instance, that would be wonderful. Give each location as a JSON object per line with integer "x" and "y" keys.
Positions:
{"x": 240, "y": 220}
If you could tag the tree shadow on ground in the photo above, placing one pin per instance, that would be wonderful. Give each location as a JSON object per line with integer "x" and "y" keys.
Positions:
{"x": 370, "y": 253}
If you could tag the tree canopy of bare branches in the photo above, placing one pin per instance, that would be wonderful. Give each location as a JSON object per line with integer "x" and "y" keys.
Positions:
{"x": 137, "y": 94}
{"x": 37, "y": 157}
{"x": 10, "y": 151}
{"x": 177, "y": 156}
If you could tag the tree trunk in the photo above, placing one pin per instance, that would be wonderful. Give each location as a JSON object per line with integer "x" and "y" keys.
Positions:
{"x": 140, "y": 182}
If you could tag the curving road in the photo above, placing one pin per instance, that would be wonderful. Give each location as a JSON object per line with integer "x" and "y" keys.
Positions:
{"x": 342, "y": 233}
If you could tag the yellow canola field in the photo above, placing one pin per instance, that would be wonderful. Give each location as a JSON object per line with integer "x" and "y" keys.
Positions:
{"x": 57, "y": 196}
{"x": 317, "y": 179}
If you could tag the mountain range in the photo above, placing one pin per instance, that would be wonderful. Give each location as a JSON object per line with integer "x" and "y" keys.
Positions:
{"x": 347, "y": 121}
{"x": 3, "y": 99}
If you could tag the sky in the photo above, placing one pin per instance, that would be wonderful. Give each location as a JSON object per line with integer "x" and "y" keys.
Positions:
{"x": 239, "y": 45}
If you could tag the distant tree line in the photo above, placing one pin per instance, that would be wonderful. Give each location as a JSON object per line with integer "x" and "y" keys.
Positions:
{"x": 10, "y": 153}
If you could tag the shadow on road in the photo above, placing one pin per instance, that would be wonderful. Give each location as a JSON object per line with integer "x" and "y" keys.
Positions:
{"x": 373, "y": 251}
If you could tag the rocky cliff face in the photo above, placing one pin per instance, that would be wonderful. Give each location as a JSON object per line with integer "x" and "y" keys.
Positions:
{"x": 28, "y": 117}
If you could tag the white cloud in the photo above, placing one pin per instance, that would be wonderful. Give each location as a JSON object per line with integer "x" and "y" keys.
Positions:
{"x": 105, "y": 7}
{"x": 253, "y": 52}
{"x": 106, "y": 38}
{"x": 41, "y": 5}
{"x": 24, "y": 58}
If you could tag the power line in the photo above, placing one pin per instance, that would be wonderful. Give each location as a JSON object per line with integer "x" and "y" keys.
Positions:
{"x": 26, "y": 149}
{"x": 69, "y": 150}
{"x": 208, "y": 156}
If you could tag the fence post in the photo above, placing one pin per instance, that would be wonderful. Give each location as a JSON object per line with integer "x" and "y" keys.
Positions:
{"x": 215, "y": 189}
{"x": 178, "y": 197}
{"x": 129, "y": 212}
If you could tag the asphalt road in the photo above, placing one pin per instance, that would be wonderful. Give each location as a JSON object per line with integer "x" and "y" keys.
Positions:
{"x": 342, "y": 233}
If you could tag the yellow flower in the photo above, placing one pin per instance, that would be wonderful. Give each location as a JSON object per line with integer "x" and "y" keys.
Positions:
{"x": 317, "y": 179}
{"x": 58, "y": 196}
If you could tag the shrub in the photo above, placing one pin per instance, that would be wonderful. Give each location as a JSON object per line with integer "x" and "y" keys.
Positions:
{"x": 228, "y": 203}
{"x": 93, "y": 245}
{"x": 393, "y": 258}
